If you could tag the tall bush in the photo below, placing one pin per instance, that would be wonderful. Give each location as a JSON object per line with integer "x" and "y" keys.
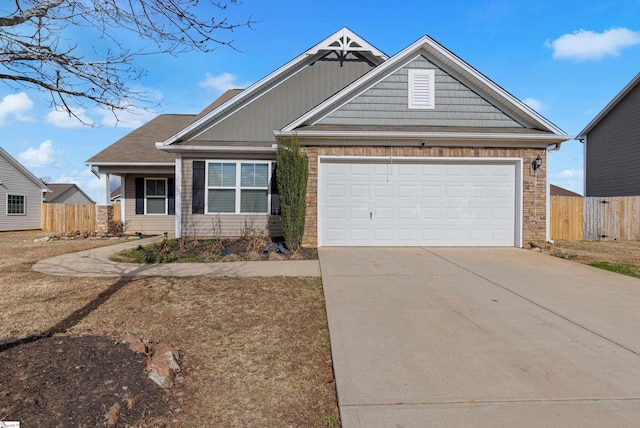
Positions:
{"x": 292, "y": 172}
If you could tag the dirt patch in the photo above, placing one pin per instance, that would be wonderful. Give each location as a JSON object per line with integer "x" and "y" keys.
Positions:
{"x": 255, "y": 351}
{"x": 75, "y": 381}
{"x": 619, "y": 252}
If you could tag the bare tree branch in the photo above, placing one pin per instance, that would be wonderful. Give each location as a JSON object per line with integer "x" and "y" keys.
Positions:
{"x": 37, "y": 48}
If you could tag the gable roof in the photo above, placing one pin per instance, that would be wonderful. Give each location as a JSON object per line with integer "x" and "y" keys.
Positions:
{"x": 24, "y": 170}
{"x": 138, "y": 147}
{"x": 344, "y": 40}
{"x": 454, "y": 66}
{"x": 561, "y": 191}
{"x": 58, "y": 189}
{"x": 605, "y": 111}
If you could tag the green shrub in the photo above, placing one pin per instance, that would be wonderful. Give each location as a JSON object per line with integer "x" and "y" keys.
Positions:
{"x": 292, "y": 173}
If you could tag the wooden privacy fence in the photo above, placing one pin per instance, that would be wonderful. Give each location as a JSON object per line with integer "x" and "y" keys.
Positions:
{"x": 117, "y": 213}
{"x": 567, "y": 218}
{"x": 615, "y": 218}
{"x": 68, "y": 217}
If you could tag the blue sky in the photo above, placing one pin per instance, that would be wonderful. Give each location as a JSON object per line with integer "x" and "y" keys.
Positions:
{"x": 566, "y": 59}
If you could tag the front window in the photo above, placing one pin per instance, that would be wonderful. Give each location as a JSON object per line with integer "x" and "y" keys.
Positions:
{"x": 16, "y": 205}
{"x": 155, "y": 196}
{"x": 238, "y": 187}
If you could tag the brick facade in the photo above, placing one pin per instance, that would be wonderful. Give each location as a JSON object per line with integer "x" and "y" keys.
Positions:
{"x": 534, "y": 186}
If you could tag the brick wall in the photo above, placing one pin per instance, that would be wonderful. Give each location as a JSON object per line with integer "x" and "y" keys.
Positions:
{"x": 533, "y": 189}
{"x": 104, "y": 214}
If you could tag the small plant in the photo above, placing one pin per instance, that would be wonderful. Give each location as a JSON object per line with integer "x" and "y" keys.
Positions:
{"x": 115, "y": 228}
{"x": 330, "y": 420}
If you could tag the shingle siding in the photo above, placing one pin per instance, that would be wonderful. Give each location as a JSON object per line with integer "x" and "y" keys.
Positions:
{"x": 386, "y": 103}
{"x": 15, "y": 183}
{"x": 287, "y": 101}
{"x": 613, "y": 151}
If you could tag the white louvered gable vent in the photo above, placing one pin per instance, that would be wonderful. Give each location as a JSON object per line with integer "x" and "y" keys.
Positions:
{"x": 422, "y": 89}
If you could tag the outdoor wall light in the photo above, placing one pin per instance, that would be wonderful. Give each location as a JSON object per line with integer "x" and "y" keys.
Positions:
{"x": 536, "y": 163}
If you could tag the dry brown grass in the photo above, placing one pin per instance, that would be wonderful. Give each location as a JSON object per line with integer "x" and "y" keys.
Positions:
{"x": 256, "y": 350}
{"x": 622, "y": 252}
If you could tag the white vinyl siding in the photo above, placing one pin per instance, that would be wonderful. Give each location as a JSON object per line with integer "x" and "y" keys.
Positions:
{"x": 238, "y": 187}
{"x": 155, "y": 198}
{"x": 16, "y": 205}
{"x": 421, "y": 89}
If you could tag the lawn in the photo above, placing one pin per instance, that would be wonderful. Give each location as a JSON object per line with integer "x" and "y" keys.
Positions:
{"x": 616, "y": 256}
{"x": 255, "y": 351}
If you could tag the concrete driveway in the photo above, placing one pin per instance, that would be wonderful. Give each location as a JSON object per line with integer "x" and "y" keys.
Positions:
{"x": 480, "y": 337}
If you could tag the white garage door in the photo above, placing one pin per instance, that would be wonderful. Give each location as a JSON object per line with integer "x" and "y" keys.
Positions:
{"x": 417, "y": 203}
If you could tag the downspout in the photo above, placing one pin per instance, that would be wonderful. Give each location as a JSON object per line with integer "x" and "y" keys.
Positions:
{"x": 555, "y": 148}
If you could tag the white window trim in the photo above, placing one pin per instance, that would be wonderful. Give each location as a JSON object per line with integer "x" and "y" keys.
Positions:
{"x": 24, "y": 205}
{"x": 431, "y": 93}
{"x": 165, "y": 197}
{"x": 238, "y": 187}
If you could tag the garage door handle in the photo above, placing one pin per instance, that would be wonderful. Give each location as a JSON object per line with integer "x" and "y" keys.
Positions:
{"x": 370, "y": 215}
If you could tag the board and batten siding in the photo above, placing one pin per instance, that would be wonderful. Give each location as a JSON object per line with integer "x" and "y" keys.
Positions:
{"x": 386, "y": 103}
{"x": 288, "y": 100}
{"x": 613, "y": 151}
{"x": 147, "y": 224}
{"x": 221, "y": 225}
{"x": 14, "y": 182}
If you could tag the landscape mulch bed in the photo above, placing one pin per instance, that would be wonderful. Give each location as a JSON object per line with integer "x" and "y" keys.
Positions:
{"x": 214, "y": 250}
{"x": 74, "y": 381}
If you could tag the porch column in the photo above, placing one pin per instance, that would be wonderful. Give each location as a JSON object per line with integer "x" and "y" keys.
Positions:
{"x": 104, "y": 197}
{"x": 178, "y": 196}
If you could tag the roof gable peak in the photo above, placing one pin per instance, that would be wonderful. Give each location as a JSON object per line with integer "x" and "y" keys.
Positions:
{"x": 444, "y": 58}
{"x": 344, "y": 41}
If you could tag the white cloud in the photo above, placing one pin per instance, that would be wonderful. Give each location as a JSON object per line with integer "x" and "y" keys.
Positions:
{"x": 583, "y": 45}
{"x": 534, "y": 104}
{"x": 62, "y": 119}
{"x": 571, "y": 179}
{"x": 44, "y": 156}
{"x": 16, "y": 105}
{"x": 222, "y": 82}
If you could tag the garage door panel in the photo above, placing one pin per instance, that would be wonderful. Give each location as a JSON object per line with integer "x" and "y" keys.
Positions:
{"x": 417, "y": 203}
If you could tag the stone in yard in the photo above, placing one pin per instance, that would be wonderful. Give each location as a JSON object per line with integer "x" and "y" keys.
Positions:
{"x": 163, "y": 365}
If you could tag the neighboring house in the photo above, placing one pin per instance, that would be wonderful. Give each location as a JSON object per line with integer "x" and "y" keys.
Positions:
{"x": 561, "y": 191}
{"x": 116, "y": 195}
{"x": 416, "y": 149}
{"x": 66, "y": 193}
{"x": 20, "y": 196}
{"x": 612, "y": 146}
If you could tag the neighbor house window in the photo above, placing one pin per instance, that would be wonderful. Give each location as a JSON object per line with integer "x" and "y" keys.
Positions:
{"x": 16, "y": 205}
{"x": 155, "y": 196}
{"x": 238, "y": 187}
{"x": 422, "y": 89}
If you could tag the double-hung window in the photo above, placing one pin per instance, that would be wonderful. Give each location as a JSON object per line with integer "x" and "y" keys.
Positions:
{"x": 238, "y": 187}
{"x": 16, "y": 205}
{"x": 155, "y": 196}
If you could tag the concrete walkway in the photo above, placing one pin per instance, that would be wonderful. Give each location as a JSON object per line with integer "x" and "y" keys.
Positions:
{"x": 96, "y": 262}
{"x": 480, "y": 337}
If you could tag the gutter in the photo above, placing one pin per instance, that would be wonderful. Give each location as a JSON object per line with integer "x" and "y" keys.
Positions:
{"x": 223, "y": 149}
